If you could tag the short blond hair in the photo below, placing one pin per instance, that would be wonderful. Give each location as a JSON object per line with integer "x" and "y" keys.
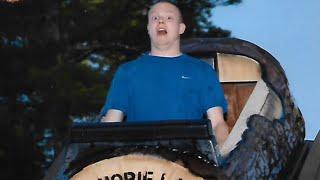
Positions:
{"x": 168, "y": 2}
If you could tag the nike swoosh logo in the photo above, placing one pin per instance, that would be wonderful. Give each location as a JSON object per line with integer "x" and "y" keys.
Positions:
{"x": 185, "y": 77}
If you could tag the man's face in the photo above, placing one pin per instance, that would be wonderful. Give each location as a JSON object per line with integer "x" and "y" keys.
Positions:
{"x": 164, "y": 24}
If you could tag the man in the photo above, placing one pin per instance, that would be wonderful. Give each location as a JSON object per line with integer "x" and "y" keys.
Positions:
{"x": 166, "y": 84}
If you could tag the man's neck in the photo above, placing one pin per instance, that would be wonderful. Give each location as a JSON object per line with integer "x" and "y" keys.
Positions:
{"x": 166, "y": 51}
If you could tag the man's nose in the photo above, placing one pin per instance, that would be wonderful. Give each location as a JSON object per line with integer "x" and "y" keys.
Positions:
{"x": 161, "y": 19}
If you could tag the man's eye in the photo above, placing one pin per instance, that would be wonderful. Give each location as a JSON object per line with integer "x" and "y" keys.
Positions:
{"x": 169, "y": 18}
{"x": 155, "y": 18}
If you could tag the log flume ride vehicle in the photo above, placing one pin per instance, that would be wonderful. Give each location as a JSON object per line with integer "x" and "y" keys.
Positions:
{"x": 266, "y": 138}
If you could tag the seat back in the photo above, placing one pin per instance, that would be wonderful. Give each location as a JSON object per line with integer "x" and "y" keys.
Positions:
{"x": 237, "y": 95}
{"x": 262, "y": 101}
{"x": 246, "y": 92}
{"x": 238, "y": 75}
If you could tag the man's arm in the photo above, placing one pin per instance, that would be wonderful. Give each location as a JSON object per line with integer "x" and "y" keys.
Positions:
{"x": 113, "y": 115}
{"x": 219, "y": 126}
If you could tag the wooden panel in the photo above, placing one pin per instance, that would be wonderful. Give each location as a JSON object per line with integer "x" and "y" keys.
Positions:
{"x": 236, "y": 68}
{"x": 237, "y": 95}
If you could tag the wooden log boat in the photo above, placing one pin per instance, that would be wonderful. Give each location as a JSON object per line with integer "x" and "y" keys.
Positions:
{"x": 266, "y": 129}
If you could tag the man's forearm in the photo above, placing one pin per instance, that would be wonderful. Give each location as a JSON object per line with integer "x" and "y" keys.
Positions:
{"x": 221, "y": 132}
{"x": 219, "y": 126}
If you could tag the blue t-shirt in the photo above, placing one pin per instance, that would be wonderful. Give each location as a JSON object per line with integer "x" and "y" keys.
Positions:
{"x": 153, "y": 88}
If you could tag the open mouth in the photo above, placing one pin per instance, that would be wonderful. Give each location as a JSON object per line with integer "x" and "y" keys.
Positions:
{"x": 161, "y": 31}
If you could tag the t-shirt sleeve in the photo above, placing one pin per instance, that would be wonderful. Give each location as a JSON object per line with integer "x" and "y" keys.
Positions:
{"x": 212, "y": 94}
{"x": 117, "y": 97}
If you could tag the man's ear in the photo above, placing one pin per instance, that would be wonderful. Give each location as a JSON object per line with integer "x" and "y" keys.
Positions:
{"x": 182, "y": 28}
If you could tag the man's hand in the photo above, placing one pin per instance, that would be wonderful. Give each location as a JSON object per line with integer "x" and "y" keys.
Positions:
{"x": 113, "y": 115}
{"x": 219, "y": 126}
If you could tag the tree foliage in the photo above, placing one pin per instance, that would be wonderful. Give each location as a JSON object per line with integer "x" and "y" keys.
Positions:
{"x": 57, "y": 59}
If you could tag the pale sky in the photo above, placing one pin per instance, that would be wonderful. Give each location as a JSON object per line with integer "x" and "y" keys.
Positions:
{"x": 289, "y": 30}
